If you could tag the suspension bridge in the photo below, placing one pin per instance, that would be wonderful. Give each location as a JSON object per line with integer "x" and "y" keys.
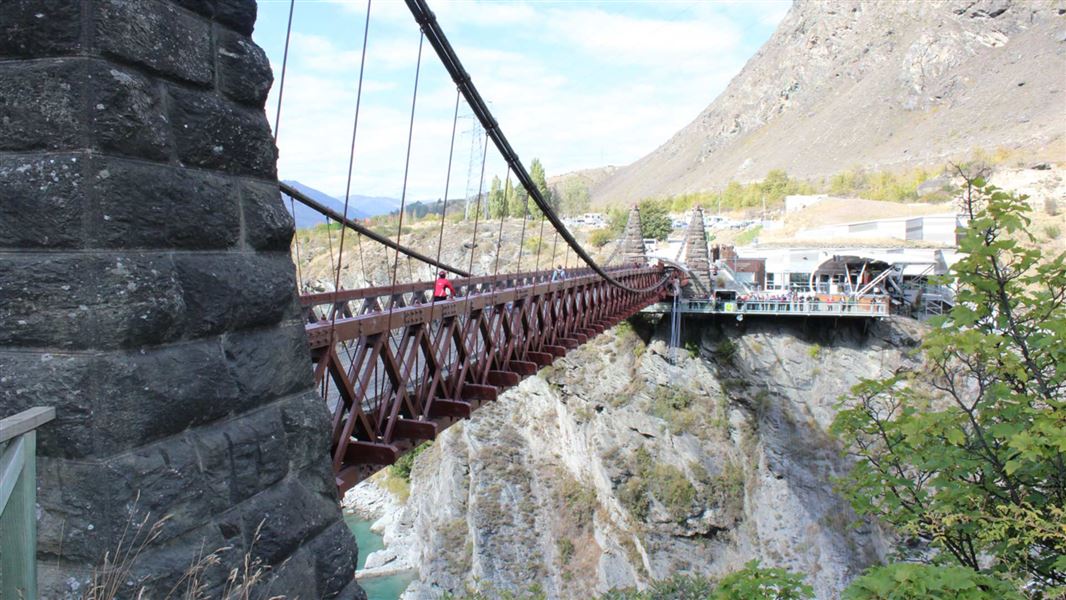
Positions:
{"x": 146, "y": 294}
{"x": 395, "y": 366}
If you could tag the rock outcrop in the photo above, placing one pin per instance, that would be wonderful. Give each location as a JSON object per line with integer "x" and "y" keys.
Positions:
{"x": 147, "y": 293}
{"x": 877, "y": 84}
{"x": 614, "y": 467}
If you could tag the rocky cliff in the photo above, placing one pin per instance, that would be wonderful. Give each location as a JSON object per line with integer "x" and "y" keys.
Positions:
{"x": 876, "y": 84}
{"x": 614, "y": 467}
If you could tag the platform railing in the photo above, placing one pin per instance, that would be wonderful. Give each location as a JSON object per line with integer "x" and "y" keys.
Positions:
{"x": 18, "y": 500}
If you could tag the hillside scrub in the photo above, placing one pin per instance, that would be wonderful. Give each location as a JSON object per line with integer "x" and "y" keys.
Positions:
{"x": 969, "y": 454}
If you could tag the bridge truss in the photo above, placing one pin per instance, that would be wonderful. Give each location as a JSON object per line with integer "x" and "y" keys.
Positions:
{"x": 396, "y": 366}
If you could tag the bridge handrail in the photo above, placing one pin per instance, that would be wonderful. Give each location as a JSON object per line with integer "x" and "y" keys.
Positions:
{"x": 464, "y": 283}
{"x": 18, "y": 501}
{"x": 872, "y": 305}
{"x": 322, "y": 333}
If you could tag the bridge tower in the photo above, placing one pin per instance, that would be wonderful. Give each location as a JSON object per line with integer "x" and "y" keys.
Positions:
{"x": 697, "y": 257}
{"x": 632, "y": 243}
{"x": 149, "y": 296}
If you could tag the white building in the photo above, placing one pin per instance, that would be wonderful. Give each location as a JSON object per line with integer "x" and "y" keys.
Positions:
{"x": 939, "y": 229}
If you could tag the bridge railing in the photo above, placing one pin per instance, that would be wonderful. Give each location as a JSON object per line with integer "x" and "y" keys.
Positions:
{"x": 18, "y": 502}
{"x": 395, "y": 367}
{"x": 873, "y": 306}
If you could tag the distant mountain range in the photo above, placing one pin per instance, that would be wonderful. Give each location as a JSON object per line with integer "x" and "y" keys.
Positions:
{"x": 359, "y": 207}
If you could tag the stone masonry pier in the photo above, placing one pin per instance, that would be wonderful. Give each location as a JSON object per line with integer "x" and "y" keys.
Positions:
{"x": 147, "y": 293}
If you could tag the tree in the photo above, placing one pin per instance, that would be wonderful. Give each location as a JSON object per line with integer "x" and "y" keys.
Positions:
{"x": 536, "y": 173}
{"x": 654, "y": 219}
{"x": 909, "y": 580}
{"x": 759, "y": 583}
{"x": 968, "y": 453}
{"x": 519, "y": 202}
{"x": 574, "y": 197}
{"x": 497, "y": 199}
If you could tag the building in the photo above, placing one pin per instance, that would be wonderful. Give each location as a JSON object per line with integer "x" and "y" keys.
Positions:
{"x": 937, "y": 229}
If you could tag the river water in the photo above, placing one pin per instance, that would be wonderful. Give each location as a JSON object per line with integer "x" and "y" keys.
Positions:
{"x": 377, "y": 588}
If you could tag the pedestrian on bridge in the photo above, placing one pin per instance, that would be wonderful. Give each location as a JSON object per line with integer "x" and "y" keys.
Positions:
{"x": 442, "y": 288}
{"x": 558, "y": 274}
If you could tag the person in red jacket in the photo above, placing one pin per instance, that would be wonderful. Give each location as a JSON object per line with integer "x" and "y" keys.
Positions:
{"x": 442, "y": 288}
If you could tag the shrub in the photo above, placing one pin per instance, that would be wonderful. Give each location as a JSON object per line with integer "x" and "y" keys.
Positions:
{"x": 601, "y": 237}
{"x": 725, "y": 350}
{"x": 1053, "y": 232}
{"x": 403, "y": 465}
{"x": 909, "y": 580}
{"x": 758, "y": 583}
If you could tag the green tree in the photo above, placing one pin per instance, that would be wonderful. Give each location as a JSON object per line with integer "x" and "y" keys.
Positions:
{"x": 654, "y": 219}
{"x": 759, "y": 583}
{"x": 573, "y": 198}
{"x": 968, "y": 453}
{"x": 520, "y": 204}
{"x": 903, "y": 581}
{"x": 536, "y": 173}
{"x": 497, "y": 199}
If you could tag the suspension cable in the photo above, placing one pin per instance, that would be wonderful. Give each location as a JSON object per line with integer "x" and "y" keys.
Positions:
{"x": 351, "y": 159}
{"x": 431, "y": 29}
{"x": 277, "y": 126}
{"x": 318, "y": 207}
{"x": 406, "y": 171}
{"x": 522, "y": 237}
{"x": 477, "y": 214}
{"x": 448, "y": 177}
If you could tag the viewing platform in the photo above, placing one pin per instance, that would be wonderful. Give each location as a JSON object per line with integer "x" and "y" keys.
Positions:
{"x": 817, "y": 306}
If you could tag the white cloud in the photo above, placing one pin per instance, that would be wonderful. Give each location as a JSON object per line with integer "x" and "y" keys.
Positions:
{"x": 575, "y": 85}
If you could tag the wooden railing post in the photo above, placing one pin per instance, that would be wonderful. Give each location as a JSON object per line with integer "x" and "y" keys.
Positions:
{"x": 18, "y": 501}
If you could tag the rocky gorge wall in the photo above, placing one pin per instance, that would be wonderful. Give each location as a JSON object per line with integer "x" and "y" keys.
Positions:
{"x": 147, "y": 293}
{"x": 614, "y": 467}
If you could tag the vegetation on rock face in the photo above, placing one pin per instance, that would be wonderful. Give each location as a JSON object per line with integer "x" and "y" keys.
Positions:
{"x": 969, "y": 455}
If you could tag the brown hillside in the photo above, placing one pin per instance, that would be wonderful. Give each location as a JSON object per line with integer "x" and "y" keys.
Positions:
{"x": 873, "y": 83}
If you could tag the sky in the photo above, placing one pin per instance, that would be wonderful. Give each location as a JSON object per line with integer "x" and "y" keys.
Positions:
{"x": 577, "y": 84}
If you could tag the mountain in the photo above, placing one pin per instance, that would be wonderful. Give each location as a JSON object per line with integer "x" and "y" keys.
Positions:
{"x": 873, "y": 83}
{"x": 359, "y": 207}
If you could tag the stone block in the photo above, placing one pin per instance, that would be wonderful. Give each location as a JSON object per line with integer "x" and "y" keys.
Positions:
{"x": 256, "y": 451}
{"x": 138, "y": 205}
{"x": 74, "y": 301}
{"x": 156, "y": 35}
{"x": 286, "y": 516}
{"x": 243, "y": 69}
{"x": 126, "y": 114}
{"x": 215, "y": 133}
{"x": 41, "y": 105}
{"x": 295, "y": 576}
{"x": 307, "y": 430}
{"x": 63, "y": 381}
{"x": 41, "y": 201}
{"x": 76, "y": 519}
{"x": 169, "y": 486}
{"x": 268, "y": 225}
{"x": 202, "y": 7}
{"x": 38, "y": 28}
{"x": 161, "y": 566}
{"x": 335, "y": 555}
{"x": 225, "y": 292}
{"x": 145, "y": 396}
{"x": 269, "y": 363}
{"x": 238, "y": 15}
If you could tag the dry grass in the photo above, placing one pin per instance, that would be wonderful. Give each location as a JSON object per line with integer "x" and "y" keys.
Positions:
{"x": 113, "y": 576}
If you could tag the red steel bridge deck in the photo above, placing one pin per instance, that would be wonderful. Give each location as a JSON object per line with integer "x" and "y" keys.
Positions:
{"x": 396, "y": 367}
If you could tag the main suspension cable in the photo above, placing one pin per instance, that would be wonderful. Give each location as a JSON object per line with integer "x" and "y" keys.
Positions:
{"x": 432, "y": 30}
